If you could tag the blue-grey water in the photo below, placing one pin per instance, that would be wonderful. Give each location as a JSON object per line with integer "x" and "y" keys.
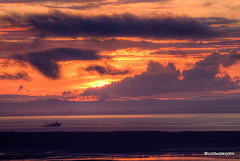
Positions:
{"x": 155, "y": 122}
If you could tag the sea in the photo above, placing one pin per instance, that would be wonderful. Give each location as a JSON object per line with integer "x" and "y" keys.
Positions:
{"x": 105, "y": 123}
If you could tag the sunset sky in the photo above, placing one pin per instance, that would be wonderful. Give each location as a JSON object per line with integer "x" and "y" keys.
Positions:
{"x": 83, "y": 53}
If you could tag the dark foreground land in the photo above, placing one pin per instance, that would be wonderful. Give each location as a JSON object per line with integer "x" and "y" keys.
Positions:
{"x": 119, "y": 142}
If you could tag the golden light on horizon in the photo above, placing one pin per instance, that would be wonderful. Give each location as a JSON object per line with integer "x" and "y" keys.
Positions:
{"x": 98, "y": 83}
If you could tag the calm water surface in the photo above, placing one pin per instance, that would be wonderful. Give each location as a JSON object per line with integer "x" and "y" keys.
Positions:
{"x": 158, "y": 122}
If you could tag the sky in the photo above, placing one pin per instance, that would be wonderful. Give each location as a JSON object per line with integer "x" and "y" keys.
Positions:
{"x": 96, "y": 56}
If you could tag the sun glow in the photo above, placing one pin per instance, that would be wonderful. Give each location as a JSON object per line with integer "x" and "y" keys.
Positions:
{"x": 98, "y": 83}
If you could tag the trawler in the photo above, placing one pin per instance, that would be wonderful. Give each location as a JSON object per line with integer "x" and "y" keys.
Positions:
{"x": 55, "y": 124}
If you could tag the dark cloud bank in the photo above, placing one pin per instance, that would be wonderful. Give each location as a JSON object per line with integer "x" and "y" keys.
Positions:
{"x": 47, "y": 61}
{"x": 61, "y": 24}
{"x": 159, "y": 79}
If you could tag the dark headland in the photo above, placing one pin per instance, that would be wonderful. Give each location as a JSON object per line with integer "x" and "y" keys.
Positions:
{"x": 119, "y": 142}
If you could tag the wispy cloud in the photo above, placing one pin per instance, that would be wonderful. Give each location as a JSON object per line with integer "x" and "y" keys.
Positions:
{"x": 217, "y": 20}
{"x": 107, "y": 69}
{"x": 20, "y": 88}
{"x": 17, "y": 76}
{"x": 141, "y": 1}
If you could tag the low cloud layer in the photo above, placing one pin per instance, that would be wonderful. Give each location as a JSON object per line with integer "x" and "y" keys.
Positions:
{"x": 46, "y": 61}
{"x": 25, "y": 98}
{"x": 159, "y": 79}
{"x": 107, "y": 69}
{"x": 61, "y": 24}
{"x": 17, "y": 76}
